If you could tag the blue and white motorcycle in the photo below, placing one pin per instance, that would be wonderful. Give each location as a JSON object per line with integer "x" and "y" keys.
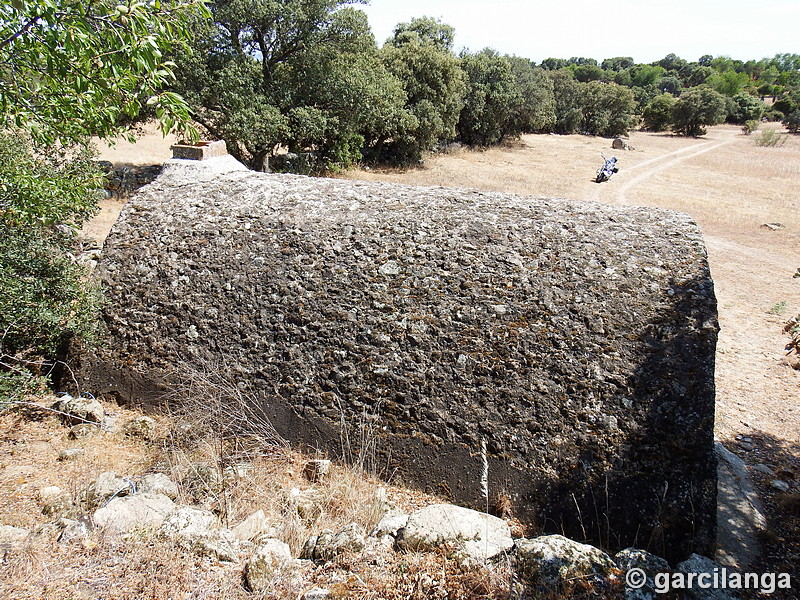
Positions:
{"x": 605, "y": 172}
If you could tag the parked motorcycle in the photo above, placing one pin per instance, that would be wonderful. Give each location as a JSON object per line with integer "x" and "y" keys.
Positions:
{"x": 609, "y": 167}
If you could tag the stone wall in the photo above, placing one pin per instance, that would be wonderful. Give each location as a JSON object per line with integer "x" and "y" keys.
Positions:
{"x": 576, "y": 339}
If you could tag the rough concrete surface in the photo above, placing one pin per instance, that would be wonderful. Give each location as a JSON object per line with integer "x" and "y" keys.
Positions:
{"x": 576, "y": 339}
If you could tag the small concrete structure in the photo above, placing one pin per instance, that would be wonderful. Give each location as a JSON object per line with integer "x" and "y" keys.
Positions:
{"x": 202, "y": 150}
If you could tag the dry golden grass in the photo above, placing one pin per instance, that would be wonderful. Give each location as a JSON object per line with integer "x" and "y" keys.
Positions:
{"x": 145, "y": 566}
{"x": 30, "y": 450}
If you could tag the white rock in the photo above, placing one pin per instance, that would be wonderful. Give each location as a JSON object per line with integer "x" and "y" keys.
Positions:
{"x": 79, "y": 410}
{"x": 141, "y": 427}
{"x": 267, "y": 559}
{"x": 199, "y": 530}
{"x": 700, "y": 564}
{"x": 389, "y": 268}
{"x": 158, "y": 483}
{"x": 54, "y": 500}
{"x": 71, "y": 454}
{"x": 478, "y": 535}
{"x": 126, "y": 513}
{"x": 12, "y": 538}
{"x": 252, "y": 526}
{"x": 650, "y": 564}
{"x": 552, "y": 559}
{"x": 390, "y": 524}
{"x": 72, "y": 530}
{"x": 106, "y": 486}
{"x": 330, "y": 545}
{"x": 307, "y": 503}
{"x": 188, "y": 520}
{"x": 178, "y": 171}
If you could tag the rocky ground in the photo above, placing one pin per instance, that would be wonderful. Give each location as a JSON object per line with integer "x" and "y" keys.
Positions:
{"x": 109, "y": 503}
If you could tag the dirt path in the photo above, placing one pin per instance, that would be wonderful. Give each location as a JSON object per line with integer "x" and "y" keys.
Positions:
{"x": 756, "y": 391}
{"x": 668, "y": 161}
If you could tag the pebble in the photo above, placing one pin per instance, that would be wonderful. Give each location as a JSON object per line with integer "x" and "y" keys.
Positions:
{"x": 389, "y": 268}
{"x": 761, "y": 468}
{"x": 779, "y": 485}
{"x": 71, "y": 454}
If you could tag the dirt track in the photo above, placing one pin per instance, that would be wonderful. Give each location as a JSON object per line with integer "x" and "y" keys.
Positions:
{"x": 755, "y": 389}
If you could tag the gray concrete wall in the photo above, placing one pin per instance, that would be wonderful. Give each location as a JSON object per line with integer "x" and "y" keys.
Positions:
{"x": 577, "y": 339}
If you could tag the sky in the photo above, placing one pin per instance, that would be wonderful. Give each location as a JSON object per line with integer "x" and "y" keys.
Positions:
{"x": 646, "y": 30}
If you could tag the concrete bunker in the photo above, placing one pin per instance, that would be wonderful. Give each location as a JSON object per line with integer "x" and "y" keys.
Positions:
{"x": 576, "y": 339}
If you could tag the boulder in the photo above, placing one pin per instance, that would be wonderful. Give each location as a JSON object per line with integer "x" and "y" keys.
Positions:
{"x": 553, "y": 560}
{"x": 13, "y": 538}
{"x": 577, "y": 338}
{"x": 71, "y": 454}
{"x": 141, "y": 427}
{"x": 621, "y": 144}
{"x": 75, "y": 411}
{"x": 695, "y": 565}
{"x": 73, "y": 530}
{"x": 107, "y": 485}
{"x": 253, "y": 527}
{"x": 199, "y": 530}
{"x": 740, "y": 514}
{"x": 307, "y": 503}
{"x": 158, "y": 483}
{"x": 202, "y": 479}
{"x": 127, "y": 513}
{"x": 54, "y": 500}
{"x": 650, "y": 565}
{"x": 475, "y": 534}
{"x": 390, "y": 524}
{"x": 268, "y": 558}
{"x": 83, "y": 430}
{"x": 329, "y": 545}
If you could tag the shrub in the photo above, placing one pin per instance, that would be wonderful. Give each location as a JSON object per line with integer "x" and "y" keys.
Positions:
{"x": 770, "y": 138}
{"x": 773, "y": 115}
{"x": 657, "y": 115}
{"x": 697, "y": 108}
{"x": 792, "y": 121}
{"x": 744, "y": 107}
{"x": 750, "y": 126}
{"x": 44, "y": 298}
